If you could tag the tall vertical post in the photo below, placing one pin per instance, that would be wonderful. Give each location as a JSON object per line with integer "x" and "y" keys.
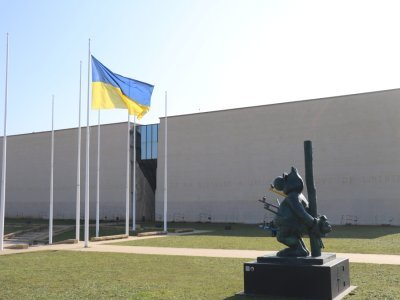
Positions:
{"x": 78, "y": 168}
{"x": 87, "y": 157}
{"x": 98, "y": 178}
{"x": 134, "y": 176}
{"x": 127, "y": 178}
{"x": 3, "y": 171}
{"x": 312, "y": 195}
{"x": 165, "y": 164}
{"x": 51, "y": 174}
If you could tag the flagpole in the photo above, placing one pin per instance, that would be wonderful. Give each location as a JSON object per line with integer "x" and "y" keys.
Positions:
{"x": 134, "y": 177}
{"x": 87, "y": 158}
{"x": 51, "y": 174}
{"x": 98, "y": 177}
{"x": 165, "y": 165}
{"x": 127, "y": 179}
{"x": 3, "y": 171}
{"x": 78, "y": 169}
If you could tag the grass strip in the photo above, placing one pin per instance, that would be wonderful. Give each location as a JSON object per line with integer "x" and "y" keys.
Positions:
{"x": 77, "y": 275}
{"x": 347, "y": 239}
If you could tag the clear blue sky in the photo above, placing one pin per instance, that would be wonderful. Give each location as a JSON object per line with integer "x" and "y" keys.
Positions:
{"x": 208, "y": 54}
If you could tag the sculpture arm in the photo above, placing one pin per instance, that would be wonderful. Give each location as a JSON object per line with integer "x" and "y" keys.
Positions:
{"x": 300, "y": 211}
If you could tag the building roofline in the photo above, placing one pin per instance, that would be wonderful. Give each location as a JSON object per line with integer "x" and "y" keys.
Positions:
{"x": 283, "y": 103}
{"x": 74, "y": 128}
{"x": 214, "y": 111}
{"x": 65, "y": 129}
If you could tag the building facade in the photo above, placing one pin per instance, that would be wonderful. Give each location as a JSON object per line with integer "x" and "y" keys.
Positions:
{"x": 220, "y": 163}
{"x": 28, "y": 173}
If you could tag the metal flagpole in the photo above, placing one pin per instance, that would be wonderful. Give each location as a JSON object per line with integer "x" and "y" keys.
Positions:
{"x": 165, "y": 165}
{"x": 78, "y": 169}
{"x": 51, "y": 174}
{"x": 87, "y": 159}
{"x": 127, "y": 178}
{"x": 3, "y": 171}
{"x": 134, "y": 176}
{"x": 98, "y": 178}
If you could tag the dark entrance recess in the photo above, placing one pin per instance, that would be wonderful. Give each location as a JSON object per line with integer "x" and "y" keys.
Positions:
{"x": 146, "y": 170}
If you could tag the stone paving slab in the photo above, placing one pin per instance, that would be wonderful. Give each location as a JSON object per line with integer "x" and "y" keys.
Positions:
{"x": 37, "y": 234}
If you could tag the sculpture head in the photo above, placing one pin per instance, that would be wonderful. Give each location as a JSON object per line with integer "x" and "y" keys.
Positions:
{"x": 288, "y": 183}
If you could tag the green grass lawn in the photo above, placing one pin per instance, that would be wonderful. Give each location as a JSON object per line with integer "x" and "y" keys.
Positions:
{"x": 74, "y": 275}
{"x": 30, "y": 221}
{"x": 351, "y": 239}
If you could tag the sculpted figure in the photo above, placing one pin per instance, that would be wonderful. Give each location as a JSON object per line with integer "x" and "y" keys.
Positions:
{"x": 292, "y": 216}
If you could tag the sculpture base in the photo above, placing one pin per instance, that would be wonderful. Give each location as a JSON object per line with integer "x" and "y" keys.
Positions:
{"x": 324, "y": 277}
{"x": 308, "y": 260}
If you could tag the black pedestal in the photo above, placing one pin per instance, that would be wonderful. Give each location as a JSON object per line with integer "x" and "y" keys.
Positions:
{"x": 323, "y": 277}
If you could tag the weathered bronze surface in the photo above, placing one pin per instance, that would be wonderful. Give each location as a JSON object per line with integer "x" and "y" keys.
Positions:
{"x": 293, "y": 217}
{"x": 319, "y": 276}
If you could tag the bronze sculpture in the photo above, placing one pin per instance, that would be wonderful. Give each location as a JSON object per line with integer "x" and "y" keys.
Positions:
{"x": 319, "y": 276}
{"x": 293, "y": 216}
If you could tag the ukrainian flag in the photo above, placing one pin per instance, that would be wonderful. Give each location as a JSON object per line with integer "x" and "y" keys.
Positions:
{"x": 110, "y": 90}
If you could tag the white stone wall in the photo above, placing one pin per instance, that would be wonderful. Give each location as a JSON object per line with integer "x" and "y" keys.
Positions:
{"x": 220, "y": 163}
{"x": 28, "y": 173}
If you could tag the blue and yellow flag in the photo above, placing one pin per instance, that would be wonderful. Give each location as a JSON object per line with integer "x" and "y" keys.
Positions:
{"x": 110, "y": 90}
